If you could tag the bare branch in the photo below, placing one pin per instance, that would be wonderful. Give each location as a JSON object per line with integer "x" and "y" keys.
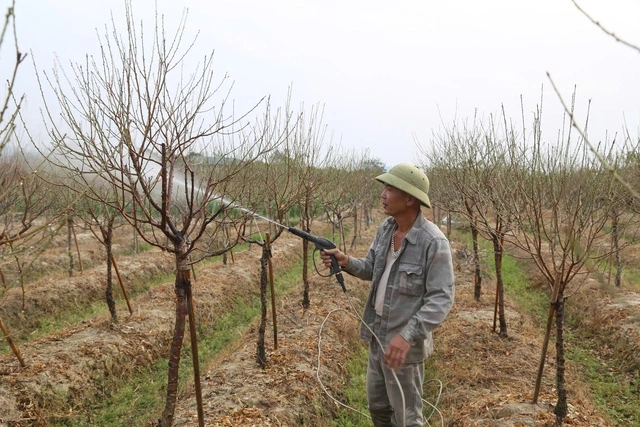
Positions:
{"x": 610, "y": 33}
{"x": 593, "y": 149}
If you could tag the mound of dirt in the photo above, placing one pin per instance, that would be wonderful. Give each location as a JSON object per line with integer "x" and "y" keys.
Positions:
{"x": 54, "y": 293}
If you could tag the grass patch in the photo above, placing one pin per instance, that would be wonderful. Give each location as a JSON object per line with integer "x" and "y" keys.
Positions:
{"x": 631, "y": 278}
{"x": 354, "y": 393}
{"x": 519, "y": 289}
{"x": 144, "y": 393}
{"x": 615, "y": 397}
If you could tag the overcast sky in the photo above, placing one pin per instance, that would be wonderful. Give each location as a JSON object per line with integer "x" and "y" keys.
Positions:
{"x": 387, "y": 72}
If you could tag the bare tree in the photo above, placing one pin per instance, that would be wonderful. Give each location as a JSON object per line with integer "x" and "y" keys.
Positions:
{"x": 101, "y": 219}
{"x": 365, "y": 192}
{"x": 274, "y": 191}
{"x": 559, "y": 215}
{"x": 454, "y": 158}
{"x": 476, "y": 158}
{"x": 623, "y": 209}
{"x": 311, "y": 153}
{"x": 339, "y": 201}
{"x": 133, "y": 120}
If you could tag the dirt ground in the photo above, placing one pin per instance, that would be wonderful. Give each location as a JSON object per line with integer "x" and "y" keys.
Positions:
{"x": 487, "y": 381}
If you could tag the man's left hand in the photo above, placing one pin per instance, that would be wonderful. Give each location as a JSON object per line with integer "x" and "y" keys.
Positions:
{"x": 396, "y": 352}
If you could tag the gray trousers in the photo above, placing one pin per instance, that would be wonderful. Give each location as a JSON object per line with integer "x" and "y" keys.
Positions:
{"x": 383, "y": 394}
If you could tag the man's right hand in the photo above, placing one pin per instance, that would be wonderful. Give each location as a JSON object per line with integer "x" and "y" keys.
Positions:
{"x": 343, "y": 260}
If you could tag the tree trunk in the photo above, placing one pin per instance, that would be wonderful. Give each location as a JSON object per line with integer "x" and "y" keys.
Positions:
{"x": 108, "y": 244}
{"x": 14, "y": 348}
{"x": 136, "y": 246}
{"x": 69, "y": 250}
{"x": 75, "y": 241}
{"x": 306, "y": 222}
{"x": 261, "y": 354}
{"x": 552, "y": 307}
{"x": 20, "y": 266}
{"x": 272, "y": 289}
{"x": 181, "y": 284}
{"x": 355, "y": 230}
{"x": 477, "y": 288}
{"x": 343, "y": 241}
{"x": 367, "y": 216}
{"x": 561, "y": 407}
{"x": 615, "y": 235}
{"x": 497, "y": 251}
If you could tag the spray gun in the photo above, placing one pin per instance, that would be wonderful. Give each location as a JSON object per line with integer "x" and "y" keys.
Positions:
{"x": 321, "y": 244}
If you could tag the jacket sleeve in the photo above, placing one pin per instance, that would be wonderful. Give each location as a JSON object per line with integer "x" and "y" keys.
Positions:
{"x": 362, "y": 268}
{"x": 439, "y": 293}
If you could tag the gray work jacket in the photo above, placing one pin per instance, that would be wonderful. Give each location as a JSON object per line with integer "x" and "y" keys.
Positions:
{"x": 420, "y": 290}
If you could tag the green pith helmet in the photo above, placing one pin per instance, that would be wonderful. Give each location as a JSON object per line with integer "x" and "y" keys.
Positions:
{"x": 409, "y": 179}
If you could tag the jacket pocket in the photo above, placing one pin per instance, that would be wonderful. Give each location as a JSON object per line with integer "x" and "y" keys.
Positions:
{"x": 410, "y": 279}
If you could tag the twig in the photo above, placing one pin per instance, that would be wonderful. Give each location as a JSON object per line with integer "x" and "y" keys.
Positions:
{"x": 610, "y": 33}
{"x": 600, "y": 157}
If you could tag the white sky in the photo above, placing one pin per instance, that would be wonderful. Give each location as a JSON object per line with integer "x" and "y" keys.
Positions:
{"x": 384, "y": 70}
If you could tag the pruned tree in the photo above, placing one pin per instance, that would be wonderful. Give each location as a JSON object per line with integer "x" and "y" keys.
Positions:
{"x": 476, "y": 159}
{"x": 24, "y": 199}
{"x": 274, "y": 191}
{"x": 365, "y": 192}
{"x": 559, "y": 215}
{"x": 132, "y": 119}
{"x": 310, "y": 154}
{"x": 454, "y": 158}
{"x": 623, "y": 208}
{"x": 102, "y": 220}
{"x": 339, "y": 201}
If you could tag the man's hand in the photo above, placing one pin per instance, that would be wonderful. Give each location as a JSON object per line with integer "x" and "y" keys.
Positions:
{"x": 343, "y": 260}
{"x": 396, "y": 352}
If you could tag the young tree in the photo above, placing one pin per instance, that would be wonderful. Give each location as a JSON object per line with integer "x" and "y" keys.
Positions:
{"x": 454, "y": 158}
{"x": 132, "y": 121}
{"x": 339, "y": 201}
{"x": 101, "y": 219}
{"x": 559, "y": 215}
{"x": 310, "y": 154}
{"x": 365, "y": 192}
{"x": 476, "y": 160}
{"x": 274, "y": 191}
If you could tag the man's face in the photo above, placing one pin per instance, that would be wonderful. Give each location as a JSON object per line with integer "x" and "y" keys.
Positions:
{"x": 394, "y": 201}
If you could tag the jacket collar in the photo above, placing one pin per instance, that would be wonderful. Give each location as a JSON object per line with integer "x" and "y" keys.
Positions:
{"x": 412, "y": 235}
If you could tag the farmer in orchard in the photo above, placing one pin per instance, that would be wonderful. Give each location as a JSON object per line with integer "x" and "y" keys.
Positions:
{"x": 412, "y": 291}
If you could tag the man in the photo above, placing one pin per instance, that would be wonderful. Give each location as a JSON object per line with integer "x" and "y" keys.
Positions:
{"x": 412, "y": 291}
